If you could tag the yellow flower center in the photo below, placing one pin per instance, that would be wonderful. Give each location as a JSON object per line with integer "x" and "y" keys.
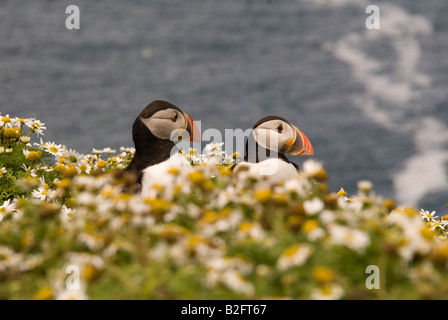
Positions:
{"x": 174, "y": 171}
{"x": 196, "y": 177}
{"x": 101, "y": 164}
{"x": 34, "y": 156}
{"x": 263, "y": 195}
{"x": 12, "y": 133}
{"x": 54, "y": 149}
{"x": 410, "y": 211}
{"x": 427, "y": 233}
{"x": 44, "y": 293}
{"x": 292, "y": 250}
{"x": 309, "y": 225}
{"x": 323, "y": 275}
{"x": 60, "y": 168}
{"x": 246, "y": 226}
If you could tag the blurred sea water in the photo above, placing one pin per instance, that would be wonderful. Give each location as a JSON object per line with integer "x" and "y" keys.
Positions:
{"x": 374, "y": 103}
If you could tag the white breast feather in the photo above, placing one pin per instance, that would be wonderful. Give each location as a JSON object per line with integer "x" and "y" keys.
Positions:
{"x": 158, "y": 175}
{"x": 273, "y": 170}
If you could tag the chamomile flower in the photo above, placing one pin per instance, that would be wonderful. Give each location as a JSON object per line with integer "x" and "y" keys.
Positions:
{"x": 72, "y": 156}
{"x": 9, "y": 259}
{"x": 128, "y": 150}
{"x": 312, "y": 167}
{"x": 213, "y": 147}
{"x": 44, "y": 193}
{"x": 354, "y": 239}
{"x": 6, "y": 208}
{"x": 53, "y": 148}
{"x": 365, "y": 186}
{"x": 97, "y": 152}
{"x": 295, "y": 255}
{"x": 84, "y": 166}
{"x": 2, "y": 172}
{"x": 108, "y": 150}
{"x": 38, "y": 127}
{"x": 425, "y": 215}
{"x": 236, "y": 282}
{"x": 66, "y": 213}
{"x": 313, "y": 206}
{"x": 25, "y": 139}
{"x": 5, "y": 121}
{"x": 330, "y": 291}
{"x": 32, "y": 156}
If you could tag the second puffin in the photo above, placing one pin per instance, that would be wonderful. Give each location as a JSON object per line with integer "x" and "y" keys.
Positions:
{"x": 270, "y": 139}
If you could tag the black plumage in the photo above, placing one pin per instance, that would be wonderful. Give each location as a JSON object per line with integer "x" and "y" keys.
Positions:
{"x": 149, "y": 149}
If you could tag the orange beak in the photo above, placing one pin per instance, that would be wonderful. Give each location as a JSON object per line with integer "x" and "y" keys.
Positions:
{"x": 192, "y": 129}
{"x": 300, "y": 144}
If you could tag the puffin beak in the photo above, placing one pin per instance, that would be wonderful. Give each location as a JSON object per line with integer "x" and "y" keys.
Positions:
{"x": 299, "y": 145}
{"x": 192, "y": 129}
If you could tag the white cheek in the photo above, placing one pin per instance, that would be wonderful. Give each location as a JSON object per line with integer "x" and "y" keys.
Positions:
{"x": 161, "y": 128}
{"x": 287, "y": 134}
{"x": 268, "y": 139}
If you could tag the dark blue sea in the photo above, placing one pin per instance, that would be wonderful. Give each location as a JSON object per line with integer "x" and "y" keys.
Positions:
{"x": 374, "y": 103}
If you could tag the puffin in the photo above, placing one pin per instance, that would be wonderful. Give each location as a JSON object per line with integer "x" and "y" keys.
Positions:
{"x": 155, "y": 132}
{"x": 271, "y": 138}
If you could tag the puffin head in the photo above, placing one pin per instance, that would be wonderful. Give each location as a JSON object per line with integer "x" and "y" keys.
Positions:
{"x": 161, "y": 120}
{"x": 279, "y": 135}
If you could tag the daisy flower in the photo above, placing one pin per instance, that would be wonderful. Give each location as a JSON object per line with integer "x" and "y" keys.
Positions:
{"x": 108, "y": 151}
{"x": 53, "y": 148}
{"x": 43, "y": 193}
{"x": 328, "y": 292}
{"x": 295, "y": 255}
{"x": 213, "y": 148}
{"x": 72, "y": 155}
{"x": 25, "y": 139}
{"x": 96, "y": 151}
{"x": 313, "y": 206}
{"x": 128, "y": 150}
{"x": 312, "y": 167}
{"x": 5, "y": 121}
{"x": 425, "y": 215}
{"x": 38, "y": 127}
{"x": 236, "y": 282}
{"x": 2, "y": 171}
{"x": 354, "y": 239}
{"x": 6, "y": 208}
{"x": 9, "y": 259}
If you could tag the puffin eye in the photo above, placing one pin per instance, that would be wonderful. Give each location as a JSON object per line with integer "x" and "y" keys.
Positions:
{"x": 280, "y": 128}
{"x": 174, "y": 119}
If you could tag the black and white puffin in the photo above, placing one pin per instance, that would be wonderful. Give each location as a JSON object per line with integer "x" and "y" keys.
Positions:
{"x": 270, "y": 139}
{"x": 154, "y": 132}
